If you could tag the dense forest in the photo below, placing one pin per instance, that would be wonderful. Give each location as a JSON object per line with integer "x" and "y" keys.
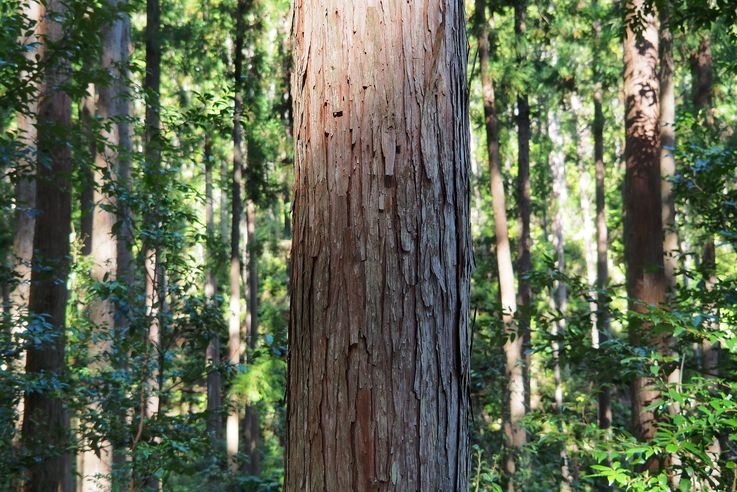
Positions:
{"x": 252, "y": 245}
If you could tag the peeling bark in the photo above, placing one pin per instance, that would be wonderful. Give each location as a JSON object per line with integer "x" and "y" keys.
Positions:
{"x": 381, "y": 258}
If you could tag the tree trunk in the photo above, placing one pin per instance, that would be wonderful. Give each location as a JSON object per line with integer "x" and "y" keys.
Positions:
{"x": 524, "y": 200}
{"x": 212, "y": 356}
{"x": 46, "y": 421}
{"x": 251, "y": 420}
{"x": 110, "y": 161}
{"x": 667, "y": 147}
{"x": 25, "y": 203}
{"x": 643, "y": 221}
{"x": 152, "y": 258}
{"x": 513, "y": 347}
{"x": 701, "y": 66}
{"x": 86, "y": 198}
{"x": 560, "y": 291}
{"x": 381, "y": 257}
{"x": 234, "y": 324}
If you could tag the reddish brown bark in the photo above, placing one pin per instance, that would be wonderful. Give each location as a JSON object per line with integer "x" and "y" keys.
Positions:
{"x": 643, "y": 225}
{"x": 381, "y": 257}
{"x": 46, "y": 421}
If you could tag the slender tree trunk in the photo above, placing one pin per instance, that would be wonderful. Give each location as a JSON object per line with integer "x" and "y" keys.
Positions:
{"x": 86, "y": 198}
{"x": 212, "y": 356}
{"x": 667, "y": 147}
{"x": 701, "y": 66}
{"x": 666, "y": 124}
{"x": 251, "y": 420}
{"x": 152, "y": 258}
{"x": 46, "y": 421}
{"x": 381, "y": 257}
{"x": 513, "y": 347}
{"x": 560, "y": 291}
{"x": 234, "y": 324}
{"x": 646, "y": 283}
{"x": 124, "y": 236}
{"x": 25, "y": 202}
{"x": 524, "y": 200}
{"x": 600, "y": 331}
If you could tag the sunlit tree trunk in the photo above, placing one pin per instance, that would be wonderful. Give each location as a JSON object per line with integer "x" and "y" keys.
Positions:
{"x": 234, "y": 323}
{"x": 25, "y": 201}
{"x": 524, "y": 200}
{"x": 381, "y": 257}
{"x": 560, "y": 291}
{"x": 86, "y": 171}
{"x": 513, "y": 347}
{"x": 643, "y": 222}
{"x": 666, "y": 125}
{"x": 46, "y": 421}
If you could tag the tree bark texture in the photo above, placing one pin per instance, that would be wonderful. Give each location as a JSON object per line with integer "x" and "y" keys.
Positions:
{"x": 46, "y": 421}
{"x": 643, "y": 221}
{"x": 513, "y": 347}
{"x": 381, "y": 257}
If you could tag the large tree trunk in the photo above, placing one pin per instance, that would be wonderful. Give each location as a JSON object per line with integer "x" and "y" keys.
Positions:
{"x": 46, "y": 421}
{"x": 381, "y": 257}
{"x": 112, "y": 107}
{"x": 643, "y": 222}
{"x": 234, "y": 323}
{"x": 513, "y": 347}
